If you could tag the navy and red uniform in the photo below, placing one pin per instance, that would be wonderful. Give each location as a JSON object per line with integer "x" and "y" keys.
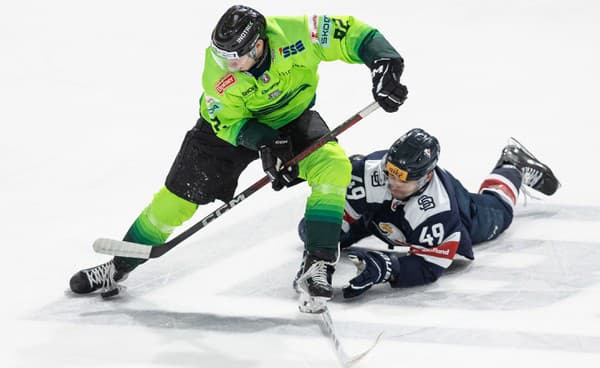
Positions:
{"x": 439, "y": 222}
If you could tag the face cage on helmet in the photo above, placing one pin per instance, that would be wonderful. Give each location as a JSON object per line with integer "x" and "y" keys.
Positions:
{"x": 221, "y": 57}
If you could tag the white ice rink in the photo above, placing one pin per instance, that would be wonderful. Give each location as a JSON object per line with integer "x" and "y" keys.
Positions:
{"x": 95, "y": 98}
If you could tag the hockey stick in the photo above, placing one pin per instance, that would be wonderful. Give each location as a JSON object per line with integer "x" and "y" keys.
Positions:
{"x": 142, "y": 251}
{"x": 344, "y": 359}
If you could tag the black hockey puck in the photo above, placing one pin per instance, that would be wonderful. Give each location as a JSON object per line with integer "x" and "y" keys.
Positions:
{"x": 110, "y": 293}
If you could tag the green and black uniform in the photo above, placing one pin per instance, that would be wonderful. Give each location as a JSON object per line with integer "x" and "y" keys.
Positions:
{"x": 241, "y": 110}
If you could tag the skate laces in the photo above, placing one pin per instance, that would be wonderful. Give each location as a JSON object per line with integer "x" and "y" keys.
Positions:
{"x": 318, "y": 272}
{"x": 527, "y": 194}
{"x": 102, "y": 276}
{"x": 531, "y": 176}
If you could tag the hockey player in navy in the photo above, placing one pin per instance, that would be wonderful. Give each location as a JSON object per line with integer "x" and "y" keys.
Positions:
{"x": 402, "y": 197}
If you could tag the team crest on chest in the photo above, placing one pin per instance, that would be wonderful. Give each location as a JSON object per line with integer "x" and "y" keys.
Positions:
{"x": 392, "y": 232}
{"x": 426, "y": 202}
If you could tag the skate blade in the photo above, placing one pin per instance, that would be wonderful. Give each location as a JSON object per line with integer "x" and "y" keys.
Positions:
{"x": 312, "y": 304}
{"x": 512, "y": 141}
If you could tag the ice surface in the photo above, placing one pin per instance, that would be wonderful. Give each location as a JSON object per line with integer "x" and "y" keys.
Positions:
{"x": 96, "y": 97}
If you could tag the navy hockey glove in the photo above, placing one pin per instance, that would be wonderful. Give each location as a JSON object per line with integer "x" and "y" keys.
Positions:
{"x": 374, "y": 267}
{"x": 387, "y": 89}
{"x": 274, "y": 156}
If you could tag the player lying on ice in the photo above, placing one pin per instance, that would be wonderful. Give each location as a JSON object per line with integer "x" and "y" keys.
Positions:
{"x": 402, "y": 197}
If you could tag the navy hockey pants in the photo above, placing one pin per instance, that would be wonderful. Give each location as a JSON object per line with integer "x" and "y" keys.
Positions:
{"x": 489, "y": 214}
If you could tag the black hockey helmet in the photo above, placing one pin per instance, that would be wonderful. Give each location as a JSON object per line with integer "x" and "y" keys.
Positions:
{"x": 413, "y": 155}
{"x": 238, "y": 30}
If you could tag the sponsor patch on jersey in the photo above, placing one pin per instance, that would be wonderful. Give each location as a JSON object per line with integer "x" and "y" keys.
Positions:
{"x": 314, "y": 28}
{"x": 249, "y": 91}
{"x": 324, "y": 31}
{"x": 293, "y": 49}
{"x": 396, "y": 171}
{"x": 225, "y": 82}
{"x": 273, "y": 95}
{"x": 212, "y": 105}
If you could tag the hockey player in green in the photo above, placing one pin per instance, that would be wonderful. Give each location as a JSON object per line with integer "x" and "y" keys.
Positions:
{"x": 260, "y": 79}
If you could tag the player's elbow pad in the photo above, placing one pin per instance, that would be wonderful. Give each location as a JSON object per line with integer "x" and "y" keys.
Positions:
{"x": 374, "y": 47}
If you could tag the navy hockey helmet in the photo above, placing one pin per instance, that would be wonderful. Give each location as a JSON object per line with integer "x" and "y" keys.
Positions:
{"x": 413, "y": 155}
{"x": 237, "y": 31}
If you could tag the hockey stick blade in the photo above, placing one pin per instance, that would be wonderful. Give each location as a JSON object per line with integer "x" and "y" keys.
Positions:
{"x": 356, "y": 358}
{"x": 344, "y": 359}
{"x": 329, "y": 330}
{"x": 122, "y": 248}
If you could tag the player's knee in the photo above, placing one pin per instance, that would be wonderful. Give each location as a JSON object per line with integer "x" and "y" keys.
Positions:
{"x": 169, "y": 209}
{"x": 328, "y": 165}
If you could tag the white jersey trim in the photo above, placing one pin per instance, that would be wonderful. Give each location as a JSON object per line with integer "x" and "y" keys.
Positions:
{"x": 507, "y": 183}
{"x": 416, "y": 212}
{"x": 378, "y": 193}
{"x": 441, "y": 255}
{"x": 351, "y": 211}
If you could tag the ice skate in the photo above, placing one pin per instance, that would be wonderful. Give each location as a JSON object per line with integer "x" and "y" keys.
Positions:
{"x": 536, "y": 175}
{"x": 104, "y": 277}
{"x": 314, "y": 284}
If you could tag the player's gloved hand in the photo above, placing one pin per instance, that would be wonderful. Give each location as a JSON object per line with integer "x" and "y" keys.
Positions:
{"x": 374, "y": 267}
{"x": 274, "y": 156}
{"x": 387, "y": 89}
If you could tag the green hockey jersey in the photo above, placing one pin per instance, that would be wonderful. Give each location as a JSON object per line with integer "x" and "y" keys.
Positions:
{"x": 283, "y": 92}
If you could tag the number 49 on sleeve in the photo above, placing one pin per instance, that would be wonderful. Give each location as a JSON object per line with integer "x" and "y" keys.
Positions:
{"x": 429, "y": 233}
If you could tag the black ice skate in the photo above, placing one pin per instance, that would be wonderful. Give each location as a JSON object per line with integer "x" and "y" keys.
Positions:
{"x": 314, "y": 284}
{"x": 536, "y": 175}
{"x": 104, "y": 277}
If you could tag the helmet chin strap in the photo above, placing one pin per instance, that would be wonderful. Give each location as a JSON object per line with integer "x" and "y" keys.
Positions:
{"x": 252, "y": 54}
{"x": 421, "y": 183}
{"x": 260, "y": 62}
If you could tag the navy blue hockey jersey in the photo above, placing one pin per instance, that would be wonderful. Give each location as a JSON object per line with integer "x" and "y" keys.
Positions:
{"x": 432, "y": 224}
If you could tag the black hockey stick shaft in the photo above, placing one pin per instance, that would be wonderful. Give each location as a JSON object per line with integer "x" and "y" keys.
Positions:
{"x": 157, "y": 251}
{"x": 105, "y": 246}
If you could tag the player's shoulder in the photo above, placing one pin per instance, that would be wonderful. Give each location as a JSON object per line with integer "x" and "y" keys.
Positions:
{"x": 286, "y": 20}
{"x": 365, "y": 165}
{"x": 286, "y": 27}
{"x": 221, "y": 83}
{"x": 360, "y": 160}
{"x": 434, "y": 202}
{"x": 368, "y": 177}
